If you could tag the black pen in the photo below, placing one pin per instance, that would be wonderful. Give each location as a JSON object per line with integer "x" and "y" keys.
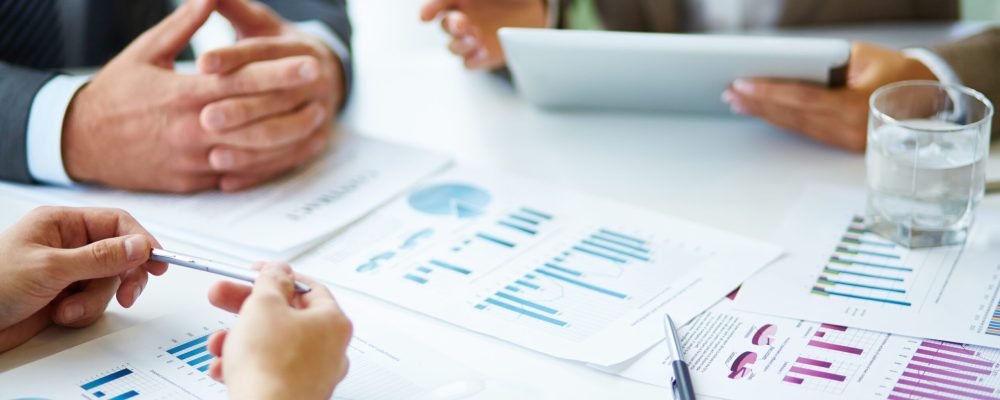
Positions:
{"x": 683, "y": 389}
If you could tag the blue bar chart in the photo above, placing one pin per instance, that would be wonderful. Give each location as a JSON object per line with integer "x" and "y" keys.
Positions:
{"x": 580, "y": 275}
{"x": 193, "y": 353}
{"x": 120, "y": 383}
{"x": 866, "y": 267}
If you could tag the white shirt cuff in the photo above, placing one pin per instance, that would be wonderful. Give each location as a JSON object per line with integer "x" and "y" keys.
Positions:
{"x": 45, "y": 126}
{"x": 334, "y": 42}
{"x": 938, "y": 66}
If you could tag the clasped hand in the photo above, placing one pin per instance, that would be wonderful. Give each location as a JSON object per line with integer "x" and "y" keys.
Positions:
{"x": 255, "y": 110}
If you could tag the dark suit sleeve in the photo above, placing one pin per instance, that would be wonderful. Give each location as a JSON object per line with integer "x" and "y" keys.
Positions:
{"x": 331, "y": 12}
{"x": 18, "y": 86}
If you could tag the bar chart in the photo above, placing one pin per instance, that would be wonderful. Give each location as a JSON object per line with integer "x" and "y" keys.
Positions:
{"x": 831, "y": 357}
{"x": 577, "y": 287}
{"x": 944, "y": 370}
{"x": 839, "y": 272}
{"x": 866, "y": 267}
{"x": 120, "y": 383}
{"x": 194, "y": 353}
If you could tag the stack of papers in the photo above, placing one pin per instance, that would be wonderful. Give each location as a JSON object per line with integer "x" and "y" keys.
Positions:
{"x": 844, "y": 314}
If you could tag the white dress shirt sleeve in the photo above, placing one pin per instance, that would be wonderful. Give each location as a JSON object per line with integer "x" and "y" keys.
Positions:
{"x": 45, "y": 126}
{"x": 938, "y": 66}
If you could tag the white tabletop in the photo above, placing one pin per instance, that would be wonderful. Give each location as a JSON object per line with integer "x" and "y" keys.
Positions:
{"x": 732, "y": 173}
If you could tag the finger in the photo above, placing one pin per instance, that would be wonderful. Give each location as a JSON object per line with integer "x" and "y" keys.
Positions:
{"x": 275, "y": 132}
{"x": 216, "y": 341}
{"x": 229, "y": 296}
{"x": 226, "y": 159}
{"x": 167, "y": 39}
{"x": 103, "y": 258}
{"x": 432, "y": 8}
{"x": 818, "y": 125}
{"x": 233, "y": 112}
{"x": 456, "y": 23}
{"x": 481, "y": 59}
{"x": 250, "y": 18}
{"x": 464, "y": 46}
{"x": 265, "y": 76}
{"x": 104, "y": 223}
{"x": 319, "y": 295}
{"x": 794, "y": 94}
{"x": 215, "y": 370}
{"x": 14, "y": 335}
{"x": 227, "y": 59}
{"x": 133, "y": 283}
{"x": 274, "y": 286}
{"x": 83, "y": 308}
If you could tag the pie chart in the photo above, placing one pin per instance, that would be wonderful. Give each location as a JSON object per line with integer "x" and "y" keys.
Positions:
{"x": 457, "y": 200}
{"x": 741, "y": 365}
{"x": 765, "y": 335}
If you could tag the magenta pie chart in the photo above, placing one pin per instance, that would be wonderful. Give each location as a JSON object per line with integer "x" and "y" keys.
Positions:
{"x": 765, "y": 335}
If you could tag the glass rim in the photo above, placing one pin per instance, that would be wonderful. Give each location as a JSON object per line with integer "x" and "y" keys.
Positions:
{"x": 965, "y": 90}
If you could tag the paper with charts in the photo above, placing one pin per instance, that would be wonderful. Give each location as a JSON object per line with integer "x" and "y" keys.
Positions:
{"x": 838, "y": 272}
{"x": 167, "y": 359}
{"x": 278, "y": 220}
{"x": 561, "y": 273}
{"x": 740, "y": 355}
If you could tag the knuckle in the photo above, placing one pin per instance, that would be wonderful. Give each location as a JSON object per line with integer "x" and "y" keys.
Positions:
{"x": 103, "y": 253}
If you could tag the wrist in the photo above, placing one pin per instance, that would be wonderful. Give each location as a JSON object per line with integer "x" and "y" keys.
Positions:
{"x": 74, "y": 127}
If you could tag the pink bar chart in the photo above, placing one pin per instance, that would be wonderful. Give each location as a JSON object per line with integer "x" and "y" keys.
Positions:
{"x": 941, "y": 370}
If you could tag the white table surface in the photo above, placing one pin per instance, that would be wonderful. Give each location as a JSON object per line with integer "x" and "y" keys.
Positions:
{"x": 731, "y": 173}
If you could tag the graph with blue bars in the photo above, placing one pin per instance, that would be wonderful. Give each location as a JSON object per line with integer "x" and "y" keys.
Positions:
{"x": 194, "y": 353}
{"x": 579, "y": 286}
{"x": 493, "y": 240}
{"x": 121, "y": 383}
{"x": 866, "y": 267}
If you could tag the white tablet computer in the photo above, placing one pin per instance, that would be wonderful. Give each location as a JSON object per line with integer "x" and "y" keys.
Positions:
{"x": 658, "y": 71}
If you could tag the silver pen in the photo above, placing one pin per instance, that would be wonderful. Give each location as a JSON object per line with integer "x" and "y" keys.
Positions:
{"x": 683, "y": 388}
{"x": 214, "y": 267}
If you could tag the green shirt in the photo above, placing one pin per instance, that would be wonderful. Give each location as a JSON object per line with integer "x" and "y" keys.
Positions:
{"x": 583, "y": 14}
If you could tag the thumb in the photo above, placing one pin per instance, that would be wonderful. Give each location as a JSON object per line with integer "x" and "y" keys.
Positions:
{"x": 168, "y": 38}
{"x": 250, "y": 18}
{"x": 105, "y": 258}
{"x": 432, "y": 8}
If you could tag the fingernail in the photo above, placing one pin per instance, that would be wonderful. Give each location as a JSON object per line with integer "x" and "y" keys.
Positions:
{"x": 320, "y": 117}
{"x": 469, "y": 41}
{"x": 727, "y": 96}
{"x": 743, "y": 86}
{"x": 221, "y": 159}
{"x": 133, "y": 248}
{"x": 308, "y": 72}
{"x": 72, "y": 312}
{"x": 136, "y": 292}
{"x": 480, "y": 55}
{"x": 216, "y": 119}
{"x": 737, "y": 108}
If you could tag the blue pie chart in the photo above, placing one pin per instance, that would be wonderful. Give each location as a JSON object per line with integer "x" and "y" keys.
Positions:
{"x": 450, "y": 199}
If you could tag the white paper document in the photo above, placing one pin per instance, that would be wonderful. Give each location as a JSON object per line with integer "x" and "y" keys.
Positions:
{"x": 735, "y": 354}
{"x": 838, "y": 272}
{"x": 167, "y": 359}
{"x": 561, "y": 273}
{"x": 280, "y": 219}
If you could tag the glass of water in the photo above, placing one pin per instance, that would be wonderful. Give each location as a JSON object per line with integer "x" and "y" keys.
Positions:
{"x": 926, "y": 161}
